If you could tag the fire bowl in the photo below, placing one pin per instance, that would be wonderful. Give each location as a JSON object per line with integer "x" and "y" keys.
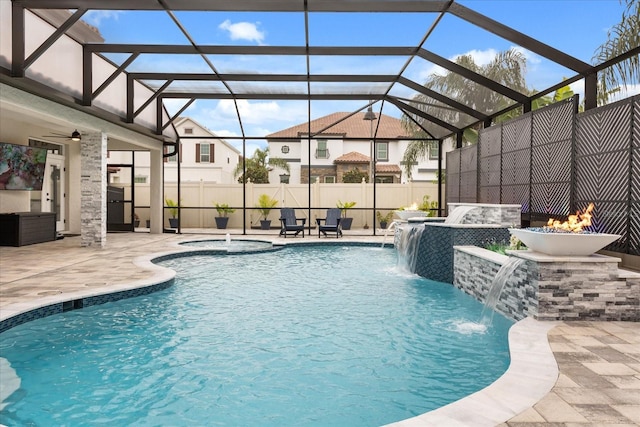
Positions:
{"x": 562, "y": 244}
{"x": 406, "y": 214}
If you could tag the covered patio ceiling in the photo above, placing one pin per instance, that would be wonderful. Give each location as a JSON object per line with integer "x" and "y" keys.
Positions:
{"x": 308, "y": 70}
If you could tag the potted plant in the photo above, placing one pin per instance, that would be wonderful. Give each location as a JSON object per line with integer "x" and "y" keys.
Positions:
{"x": 384, "y": 219}
{"x": 345, "y": 222}
{"x": 136, "y": 220}
{"x": 223, "y": 211}
{"x": 265, "y": 204}
{"x": 173, "y": 211}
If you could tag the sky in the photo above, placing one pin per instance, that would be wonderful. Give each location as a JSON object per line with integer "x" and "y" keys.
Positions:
{"x": 575, "y": 27}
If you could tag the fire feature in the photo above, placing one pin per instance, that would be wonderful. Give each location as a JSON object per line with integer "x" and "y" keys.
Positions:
{"x": 575, "y": 223}
{"x": 566, "y": 238}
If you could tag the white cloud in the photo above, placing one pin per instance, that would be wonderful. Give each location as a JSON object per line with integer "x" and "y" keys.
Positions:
{"x": 622, "y": 94}
{"x": 95, "y": 17}
{"x": 243, "y": 31}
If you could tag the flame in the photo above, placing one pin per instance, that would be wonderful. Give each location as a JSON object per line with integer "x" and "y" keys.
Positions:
{"x": 413, "y": 207}
{"x": 575, "y": 223}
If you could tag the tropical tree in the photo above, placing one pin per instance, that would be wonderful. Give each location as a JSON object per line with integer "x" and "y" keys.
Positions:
{"x": 622, "y": 37}
{"x": 258, "y": 166}
{"x": 507, "y": 68}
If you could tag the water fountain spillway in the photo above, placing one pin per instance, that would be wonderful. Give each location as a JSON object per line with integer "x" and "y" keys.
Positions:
{"x": 391, "y": 226}
{"x": 228, "y": 239}
{"x": 497, "y": 285}
{"x": 457, "y": 215}
{"x": 407, "y": 242}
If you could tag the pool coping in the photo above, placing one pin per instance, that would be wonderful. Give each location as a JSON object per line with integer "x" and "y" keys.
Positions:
{"x": 532, "y": 361}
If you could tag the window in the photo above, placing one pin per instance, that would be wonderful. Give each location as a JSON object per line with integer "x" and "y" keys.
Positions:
{"x": 140, "y": 179}
{"x": 433, "y": 150}
{"x": 205, "y": 153}
{"x": 284, "y": 149}
{"x": 188, "y": 131}
{"x": 382, "y": 151}
{"x": 329, "y": 179}
{"x": 322, "y": 152}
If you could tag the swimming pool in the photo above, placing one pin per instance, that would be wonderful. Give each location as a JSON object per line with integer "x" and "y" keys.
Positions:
{"x": 308, "y": 335}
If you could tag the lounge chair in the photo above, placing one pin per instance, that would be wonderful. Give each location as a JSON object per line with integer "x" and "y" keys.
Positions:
{"x": 331, "y": 223}
{"x": 289, "y": 224}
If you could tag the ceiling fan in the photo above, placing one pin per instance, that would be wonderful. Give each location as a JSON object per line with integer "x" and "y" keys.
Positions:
{"x": 75, "y": 136}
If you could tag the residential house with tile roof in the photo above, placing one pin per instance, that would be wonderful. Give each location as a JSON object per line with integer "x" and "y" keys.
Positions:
{"x": 337, "y": 146}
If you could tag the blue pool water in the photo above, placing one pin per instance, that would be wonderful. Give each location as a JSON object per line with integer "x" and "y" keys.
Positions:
{"x": 305, "y": 336}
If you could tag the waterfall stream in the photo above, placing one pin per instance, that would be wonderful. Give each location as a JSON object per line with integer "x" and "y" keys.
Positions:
{"x": 457, "y": 215}
{"x": 407, "y": 243}
{"x": 497, "y": 285}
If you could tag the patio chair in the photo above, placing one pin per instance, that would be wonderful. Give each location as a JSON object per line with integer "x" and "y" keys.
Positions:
{"x": 331, "y": 223}
{"x": 289, "y": 224}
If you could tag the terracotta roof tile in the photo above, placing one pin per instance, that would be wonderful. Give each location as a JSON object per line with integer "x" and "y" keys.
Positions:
{"x": 353, "y": 157}
{"x": 388, "y": 168}
{"x": 352, "y": 127}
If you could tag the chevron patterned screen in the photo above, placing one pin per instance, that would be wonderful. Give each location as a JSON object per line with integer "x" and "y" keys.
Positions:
{"x": 516, "y": 162}
{"x": 469, "y": 174}
{"x": 605, "y": 172}
{"x": 554, "y": 162}
{"x": 551, "y": 159}
{"x": 489, "y": 149}
{"x": 452, "y": 184}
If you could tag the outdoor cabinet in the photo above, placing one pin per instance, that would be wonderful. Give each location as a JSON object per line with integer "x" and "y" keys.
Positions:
{"x": 26, "y": 228}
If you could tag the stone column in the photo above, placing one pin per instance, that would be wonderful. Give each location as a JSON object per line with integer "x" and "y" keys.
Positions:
{"x": 93, "y": 189}
{"x": 155, "y": 191}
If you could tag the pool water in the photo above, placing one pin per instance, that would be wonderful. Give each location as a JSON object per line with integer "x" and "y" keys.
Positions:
{"x": 304, "y": 336}
{"x": 232, "y": 245}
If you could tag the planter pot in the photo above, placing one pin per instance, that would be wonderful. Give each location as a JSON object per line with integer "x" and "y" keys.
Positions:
{"x": 383, "y": 225}
{"x": 345, "y": 223}
{"x": 265, "y": 224}
{"x": 222, "y": 221}
{"x": 173, "y": 222}
{"x": 148, "y": 223}
{"x": 562, "y": 244}
{"x": 136, "y": 223}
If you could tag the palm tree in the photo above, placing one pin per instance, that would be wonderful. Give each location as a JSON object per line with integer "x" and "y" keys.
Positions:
{"x": 623, "y": 37}
{"x": 507, "y": 68}
{"x": 257, "y": 167}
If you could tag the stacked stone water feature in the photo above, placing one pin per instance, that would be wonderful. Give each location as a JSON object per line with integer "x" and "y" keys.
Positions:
{"x": 548, "y": 285}
{"x": 428, "y": 243}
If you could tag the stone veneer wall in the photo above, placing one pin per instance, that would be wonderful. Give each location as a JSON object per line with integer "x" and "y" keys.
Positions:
{"x": 474, "y": 271}
{"x": 93, "y": 188}
{"x": 549, "y": 288}
{"x": 504, "y": 215}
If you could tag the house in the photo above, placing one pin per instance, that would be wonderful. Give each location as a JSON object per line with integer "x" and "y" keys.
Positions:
{"x": 340, "y": 147}
{"x": 204, "y": 156}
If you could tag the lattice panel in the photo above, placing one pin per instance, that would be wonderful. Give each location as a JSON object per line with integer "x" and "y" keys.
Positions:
{"x": 606, "y": 129}
{"x": 516, "y": 167}
{"x": 469, "y": 187}
{"x": 550, "y": 198}
{"x": 469, "y": 173}
{"x": 634, "y": 229}
{"x": 551, "y": 163}
{"x": 490, "y": 194}
{"x": 516, "y": 194}
{"x": 516, "y": 134}
{"x": 612, "y": 218}
{"x": 489, "y": 141}
{"x": 602, "y": 177}
{"x": 635, "y": 173}
{"x": 453, "y": 176}
{"x": 553, "y": 123}
{"x": 490, "y": 171}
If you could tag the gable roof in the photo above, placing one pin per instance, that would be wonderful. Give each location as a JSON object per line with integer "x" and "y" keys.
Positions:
{"x": 182, "y": 119}
{"x": 350, "y": 127}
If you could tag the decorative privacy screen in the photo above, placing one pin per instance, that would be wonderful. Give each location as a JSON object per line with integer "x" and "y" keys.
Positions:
{"x": 554, "y": 162}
